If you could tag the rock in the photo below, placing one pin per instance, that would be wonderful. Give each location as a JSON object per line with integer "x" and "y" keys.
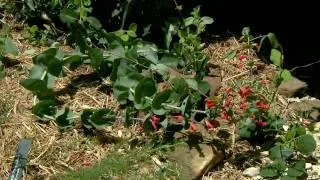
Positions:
{"x": 257, "y": 177}
{"x": 252, "y": 171}
{"x": 195, "y": 159}
{"x": 315, "y": 115}
{"x": 316, "y": 126}
{"x": 293, "y": 87}
{"x": 308, "y": 165}
{"x": 316, "y": 168}
{"x": 264, "y": 153}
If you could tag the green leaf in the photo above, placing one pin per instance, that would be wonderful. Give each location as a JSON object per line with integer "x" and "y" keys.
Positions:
{"x": 38, "y": 87}
{"x": 306, "y": 144}
{"x": 269, "y": 172}
{"x": 146, "y": 88}
{"x": 245, "y": 133}
{"x": 132, "y": 34}
{"x": 206, "y": 20}
{"x": 286, "y": 177}
{"x": 102, "y": 118}
{"x": 301, "y": 130}
{"x": 231, "y": 54}
{"x": 37, "y": 72}
{"x": 186, "y": 107}
{"x": 180, "y": 86}
{"x": 188, "y": 21}
{"x": 169, "y": 61}
{"x": 68, "y": 16}
{"x": 64, "y": 118}
{"x": 204, "y": 87}
{"x": 45, "y": 107}
{"x": 169, "y": 36}
{"x": 94, "y": 22}
{"x": 116, "y": 51}
{"x": 73, "y": 61}
{"x": 245, "y": 31}
{"x": 85, "y": 118}
{"x": 161, "y": 69}
{"x": 96, "y": 57}
{"x": 130, "y": 113}
{"x": 119, "y": 33}
{"x": 297, "y": 169}
{"x": 192, "y": 83}
{"x": 273, "y": 40}
{"x": 149, "y": 52}
{"x": 30, "y": 4}
{"x": 54, "y": 66}
{"x": 161, "y": 97}
{"x": 291, "y": 134}
{"x": 10, "y": 47}
{"x": 125, "y": 37}
{"x": 280, "y": 152}
{"x": 286, "y": 75}
{"x": 276, "y": 57}
{"x": 133, "y": 27}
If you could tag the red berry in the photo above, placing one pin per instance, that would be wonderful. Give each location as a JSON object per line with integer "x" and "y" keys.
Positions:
{"x": 244, "y": 106}
{"x": 262, "y": 105}
{"x": 243, "y": 57}
{"x": 193, "y": 126}
{"x": 261, "y": 123}
{"x": 244, "y": 92}
{"x": 209, "y": 103}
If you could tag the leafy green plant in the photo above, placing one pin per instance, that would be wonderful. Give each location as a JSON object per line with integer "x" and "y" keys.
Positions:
{"x": 6, "y": 46}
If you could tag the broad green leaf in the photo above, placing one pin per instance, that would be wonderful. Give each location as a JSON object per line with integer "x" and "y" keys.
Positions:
{"x": 161, "y": 97}
{"x": 133, "y": 27}
{"x": 64, "y": 118}
{"x": 276, "y": 57}
{"x": 10, "y": 47}
{"x": 286, "y": 177}
{"x": 294, "y": 172}
{"x": 169, "y": 61}
{"x": 45, "y": 107}
{"x": 273, "y": 40}
{"x": 188, "y": 21}
{"x": 96, "y": 57}
{"x": 94, "y": 22}
{"x": 85, "y": 118}
{"x": 37, "y": 72}
{"x": 280, "y": 165}
{"x": 119, "y": 33}
{"x": 231, "y": 54}
{"x": 169, "y": 36}
{"x": 206, "y": 20}
{"x": 280, "y": 152}
{"x": 250, "y": 124}
{"x": 192, "y": 83}
{"x": 278, "y": 80}
{"x": 161, "y": 69}
{"x": 204, "y": 87}
{"x": 306, "y": 144}
{"x": 38, "y": 87}
{"x": 301, "y": 130}
{"x": 102, "y": 118}
{"x": 54, "y": 66}
{"x": 132, "y": 34}
{"x": 73, "y": 62}
{"x": 125, "y": 37}
{"x": 180, "y": 86}
{"x": 186, "y": 107}
{"x": 30, "y": 4}
{"x": 146, "y": 88}
{"x": 149, "y": 52}
{"x": 286, "y": 75}
{"x": 68, "y": 16}
{"x": 269, "y": 172}
{"x": 116, "y": 51}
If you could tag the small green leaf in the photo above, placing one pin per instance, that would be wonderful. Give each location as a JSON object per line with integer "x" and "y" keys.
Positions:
{"x": 169, "y": 61}
{"x": 286, "y": 75}
{"x": 102, "y": 118}
{"x": 85, "y": 118}
{"x": 96, "y": 57}
{"x": 301, "y": 130}
{"x": 149, "y": 52}
{"x": 186, "y": 107}
{"x": 193, "y": 84}
{"x": 119, "y": 33}
{"x": 160, "y": 98}
{"x": 45, "y": 107}
{"x": 68, "y": 16}
{"x": 64, "y": 118}
{"x": 245, "y": 133}
{"x": 269, "y": 172}
{"x": 133, "y": 27}
{"x": 204, "y": 87}
{"x": 73, "y": 61}
{"x": 125, "y": 37}
{"x": 306, "y": 144}
{"x": 161, "y": 69}
{"x": 54, "y": 66}
{"x": 146, "y": 88}
{"x": 36, "y": 72}
{"x": 169, "y": 36}
{"x": 297, "y": 169}
{"x": 280, "y": 152}
{"x": 180, "y": 86}
{"x": 94, "y": 22}
{"x": 273, "y": 40}
{"x": 206, "y": 20}
{"x": 10, "y": 47}
{"x": 132, "y": 34}
{"x": 245, "y": 31}
{"x": 231, "y": 54}
{"x": 30, "y": 4}
{"x": 188, "y": 21}
{"x": 276, "y": 57}
{"x": 291, "y": 134}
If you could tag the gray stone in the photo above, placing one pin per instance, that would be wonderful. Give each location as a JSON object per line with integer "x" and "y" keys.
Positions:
{"x": 195, "y": 160}
{"x": 308, "y": 165}
{"x": 292, "y": 87}
{"x": 252, "y": 171}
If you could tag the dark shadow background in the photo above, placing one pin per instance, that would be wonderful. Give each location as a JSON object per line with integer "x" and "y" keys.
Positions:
{"x": 294, "y": 23}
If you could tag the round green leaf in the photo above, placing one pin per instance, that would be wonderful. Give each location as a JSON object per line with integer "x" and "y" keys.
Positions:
{"x": 276, "y": 57}
{"x": 124, "y": 37}
{"x": 146, "y": 88}
{"x": 102, "y": 117}
{"x": 94, "y": 22}
{"x": 306, "y": 144}
{"x": 133, "y": 27}
{"x": 160, "y": 98}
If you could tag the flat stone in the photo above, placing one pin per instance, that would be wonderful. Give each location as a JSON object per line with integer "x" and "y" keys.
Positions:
{"x": 252, "y": 171}
{"x": 195, "y": 160}
{"x": 292, "y": 88}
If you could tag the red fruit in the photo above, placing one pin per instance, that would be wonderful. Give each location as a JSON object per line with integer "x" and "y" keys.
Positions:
{"x": 243, "y": 57}
{"x": 228, "y": 90}
{"x": 209, "y": 103}
{"x": 193, "y": 126}
{"x": 228, "y": 102}
{"x": 154, "y": 121}
{"x": 208, "y": 124}
{"x": 244, "y": 106}
{"x": 215, "y": 123}
{"x": 261, "y": 123}
{"x": 225, "y": 115}
{"x": 262, "y": 105}
{"x": 306, "y": 122}
{"x": 244, "y": 92}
